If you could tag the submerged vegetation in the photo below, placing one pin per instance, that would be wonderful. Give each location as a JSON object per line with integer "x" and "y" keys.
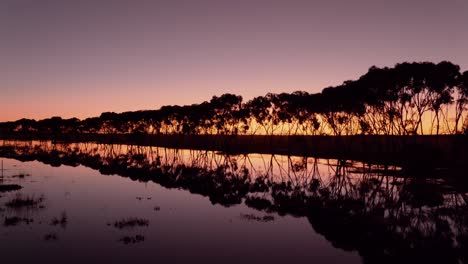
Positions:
{"x": 410, "y": 98}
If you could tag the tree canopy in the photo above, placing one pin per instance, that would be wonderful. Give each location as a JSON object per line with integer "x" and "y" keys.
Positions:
{"x": 410, "y": 98}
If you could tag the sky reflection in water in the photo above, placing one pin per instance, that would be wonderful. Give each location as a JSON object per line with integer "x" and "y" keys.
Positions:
{"x": 182, "y": 226}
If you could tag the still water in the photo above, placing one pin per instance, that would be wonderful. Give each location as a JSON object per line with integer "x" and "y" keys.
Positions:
{"x": 194, "y": 206}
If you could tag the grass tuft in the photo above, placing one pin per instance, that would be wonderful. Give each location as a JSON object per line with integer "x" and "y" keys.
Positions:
{"x": 131, "y": 222}
{"x": 132, "y": 239}
{"x": 13, "y": 221}
{"x": 62, "y": 221}
{"x": 21, "y": 201}
{"x": 9, "y": 187}
{"x": 50, "y": 237}
{"x": 252, "y": 217}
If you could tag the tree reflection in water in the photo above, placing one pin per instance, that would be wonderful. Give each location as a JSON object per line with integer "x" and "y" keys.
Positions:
{"x": 380, "y": 211}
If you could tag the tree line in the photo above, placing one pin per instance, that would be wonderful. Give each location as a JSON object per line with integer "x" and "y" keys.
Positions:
{"x": 408, "y": 99}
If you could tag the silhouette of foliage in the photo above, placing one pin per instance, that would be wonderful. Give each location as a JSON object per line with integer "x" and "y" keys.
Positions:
{"x": 410, "y": 98}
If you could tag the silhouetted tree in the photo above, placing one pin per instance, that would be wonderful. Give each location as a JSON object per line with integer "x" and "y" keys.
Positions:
{"x": 410, "y": 98}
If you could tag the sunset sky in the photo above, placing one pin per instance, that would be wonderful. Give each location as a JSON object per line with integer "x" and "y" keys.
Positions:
{"x": 83, "y": 57}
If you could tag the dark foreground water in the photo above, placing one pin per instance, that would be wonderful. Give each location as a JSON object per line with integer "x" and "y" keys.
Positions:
{"x": 83, "y": 203}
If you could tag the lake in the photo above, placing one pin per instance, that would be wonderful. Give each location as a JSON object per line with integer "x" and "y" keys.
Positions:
{"x": 87, "y": 202}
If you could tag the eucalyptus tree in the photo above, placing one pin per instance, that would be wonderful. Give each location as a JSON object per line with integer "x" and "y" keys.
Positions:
{"x": 70, "y": 125}
{"x": 299, "y": 114}
{"x": 442, "y": 83}
{"x": 90, "y": 125}
{"x": 313, "y": 107}
{"x": 169, "y": 119}
{"x": 109, "y": 122}
{"x": 259, "y": 110}
{"x": 280, "y": 110}
{"x": 413, "y": 97}
{"x": 376, "y": 90}
{"x": 225, "y": 110}
{"x": 25, "y": 125}
{"x": 50, "y": 125}
{"x": 461, "y": 103}
{"x": 341, "y": 109}
{"x": 202, "y": 115}
{"x": 294, "y": 111}
{"x": 410, "y": 98}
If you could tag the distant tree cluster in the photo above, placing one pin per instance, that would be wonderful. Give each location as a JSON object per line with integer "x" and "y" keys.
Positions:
{"x": 410, "y": 98}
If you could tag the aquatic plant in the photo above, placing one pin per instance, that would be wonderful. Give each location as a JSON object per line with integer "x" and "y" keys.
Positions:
{"x": 62, "y": 221}
{"x": 132, "y": 239}
{"x": 21, "y": 201}
{"x": 21, "y": 175}
{"x": 12, "y": 221}
{"x": 9, "y": 187}
{"x": 131, "y": 222}
{"x": 252, "y": 217}
{"x": 50, "y": 237}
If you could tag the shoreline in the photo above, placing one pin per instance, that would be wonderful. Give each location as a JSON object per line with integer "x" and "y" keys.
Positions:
{"x": 437, "y": 151}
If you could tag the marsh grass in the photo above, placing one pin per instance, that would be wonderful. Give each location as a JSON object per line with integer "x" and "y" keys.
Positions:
{"x": 13, "y": 221}
{"x": 131, "y": 223}
{"x": 132, "y": 239}
{"x": 21, "y": 175}
{"x": 21, "y": 201}
{"x": 252, "y": 217}
{"x": 9, "y": 187}
{"x": 50, "y": 237}
{"x": 62, "y": 220}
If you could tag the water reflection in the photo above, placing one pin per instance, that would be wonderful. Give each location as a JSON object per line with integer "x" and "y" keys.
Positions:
{"x": 380, "y": 211}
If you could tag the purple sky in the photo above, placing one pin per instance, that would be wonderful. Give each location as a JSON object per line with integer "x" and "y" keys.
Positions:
{"x": 83, "y": 57}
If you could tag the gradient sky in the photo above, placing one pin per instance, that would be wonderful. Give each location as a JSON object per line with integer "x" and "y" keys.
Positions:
{"x": 83, "y": 57}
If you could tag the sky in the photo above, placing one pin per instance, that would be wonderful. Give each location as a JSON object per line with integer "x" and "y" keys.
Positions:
{"x": 83, "y": 57}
